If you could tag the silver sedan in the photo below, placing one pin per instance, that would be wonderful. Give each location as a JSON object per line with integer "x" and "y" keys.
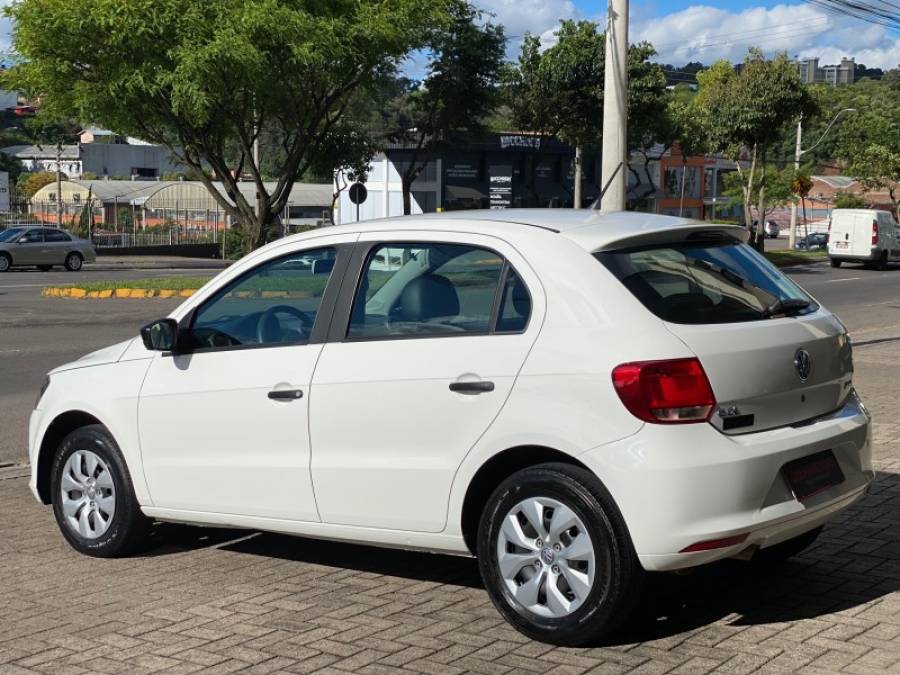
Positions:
{"x": 43, "y": 247}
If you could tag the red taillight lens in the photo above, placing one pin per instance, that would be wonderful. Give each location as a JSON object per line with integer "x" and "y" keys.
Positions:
{"x": 874, "y": 233}
{"x": 665, "y": 392}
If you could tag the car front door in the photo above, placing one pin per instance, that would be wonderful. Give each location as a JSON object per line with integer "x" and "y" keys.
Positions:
{"x": 223, "y": 424}
{"x": 28, "y": 248}
{"x": 422, "y": 355}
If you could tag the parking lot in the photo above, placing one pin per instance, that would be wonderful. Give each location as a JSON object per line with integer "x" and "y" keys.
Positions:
{"x": 223, "y": 600}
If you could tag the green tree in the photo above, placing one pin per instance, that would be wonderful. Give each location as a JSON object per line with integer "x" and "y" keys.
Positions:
{"x": 30, "y": 183}
{"x": 458, "y": 93}
{"x": 687, "y": 128}
{"x": 869, "y": 143}
{"x": 849, "y": 200}
{"x": 748, "y": 110}
{"x": 559, "y": 91}
{"x": 772, "y": 190}
{"x": 205, "y": 77}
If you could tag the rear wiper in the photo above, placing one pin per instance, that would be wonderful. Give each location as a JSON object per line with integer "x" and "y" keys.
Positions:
{"x": 786, "y": 307}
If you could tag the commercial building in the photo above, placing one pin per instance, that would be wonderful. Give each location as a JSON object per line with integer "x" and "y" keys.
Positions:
{"x": 524, "y": 170}
{"x": 101, "y": 159}
{"x": 187, "y": 204}
{"x": 812, "y": 73}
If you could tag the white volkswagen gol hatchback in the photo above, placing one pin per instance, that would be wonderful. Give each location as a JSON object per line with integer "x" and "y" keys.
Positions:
{"x": 573, "y": 397}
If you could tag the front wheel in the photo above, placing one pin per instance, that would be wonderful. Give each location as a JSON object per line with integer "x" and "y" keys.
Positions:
{"x": 882, "y": 263}
{"x": 93, "y": 499}
{"x": 556, "y": 557}
{"x": 74, "y": 262}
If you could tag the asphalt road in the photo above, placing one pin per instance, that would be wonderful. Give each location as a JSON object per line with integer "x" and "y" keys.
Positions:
{"x": 38, "y": 334}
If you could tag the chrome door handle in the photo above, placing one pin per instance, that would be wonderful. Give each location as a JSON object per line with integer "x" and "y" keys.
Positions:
{"x": 285, "y": 394}
{"x": 477, "y": 387}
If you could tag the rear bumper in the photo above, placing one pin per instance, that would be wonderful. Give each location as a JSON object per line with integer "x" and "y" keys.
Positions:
{"x": 871, "y": 257}
{"x": 680, "y": 485}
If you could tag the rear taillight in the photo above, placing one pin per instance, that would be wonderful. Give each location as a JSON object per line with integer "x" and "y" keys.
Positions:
{"x": 665, "y": 392}
{"x": 874, "y": 233}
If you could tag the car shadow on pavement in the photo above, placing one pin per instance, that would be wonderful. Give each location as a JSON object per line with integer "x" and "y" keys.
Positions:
{"x": 855, "y": 561}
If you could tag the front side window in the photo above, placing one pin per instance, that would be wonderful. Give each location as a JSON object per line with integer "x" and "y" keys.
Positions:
{"x": 705, "y": 283}
{"x": 427, "y": 289}
{"x": 274, "y": 304}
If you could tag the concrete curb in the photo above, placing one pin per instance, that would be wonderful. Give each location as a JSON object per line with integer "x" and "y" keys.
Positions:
{"x": 75, "y": 292}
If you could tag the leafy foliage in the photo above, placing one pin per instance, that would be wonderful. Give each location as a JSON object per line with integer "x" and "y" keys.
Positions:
{"x": 206, "y": 77}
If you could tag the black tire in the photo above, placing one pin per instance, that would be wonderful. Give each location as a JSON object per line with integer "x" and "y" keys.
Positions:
{"x": 618, "y": 574}
{"x": 5, "y": 262}
{"x": 835, "y": 263}
{"x": 128, "y": 527}
{"x": 74, "y": 261}
{"x": 780, "y": 553}
{"x": 45, "y": 268}
{"x": 882, "y": 263}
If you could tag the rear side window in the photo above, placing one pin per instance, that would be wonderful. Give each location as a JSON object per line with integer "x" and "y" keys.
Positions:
{"x": 56, "y": 235}
{"x": 437, "y": 289}
{"x": 700, "y": 283}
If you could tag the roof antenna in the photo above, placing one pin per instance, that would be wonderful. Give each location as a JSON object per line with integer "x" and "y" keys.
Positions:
{"x": 596, "y": 205}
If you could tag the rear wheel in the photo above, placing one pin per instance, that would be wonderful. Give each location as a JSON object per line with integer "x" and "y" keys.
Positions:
{"x": 779, "y": 553}
{"x": 5, "y": 262}
{"x": 882, "y": 263}
{"x": 74, "y": 262}
{"x": 93, "y": 499}
{"x": 556, "y": 557}
{"x": 835, "y": 263}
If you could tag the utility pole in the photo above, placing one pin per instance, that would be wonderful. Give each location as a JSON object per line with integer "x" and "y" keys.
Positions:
{"x": 798, "y": 152}
{"x": 615, "y": 108}
{"x": 59, "y": 185}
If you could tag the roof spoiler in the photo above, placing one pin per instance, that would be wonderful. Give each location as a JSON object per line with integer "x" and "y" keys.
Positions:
{"x": 678, "y": 234}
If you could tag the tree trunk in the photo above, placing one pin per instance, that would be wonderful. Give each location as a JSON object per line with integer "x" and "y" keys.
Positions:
{"x": 761, "y": 223}
{"x": 406, "y": 183}
{"x": 578, "y": 162}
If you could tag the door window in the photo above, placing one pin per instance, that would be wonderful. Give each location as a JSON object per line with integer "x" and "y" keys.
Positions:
{"x": 426, "y": 290}
{"x": 56, "y": 236}
{"x": 31, "y": 237}
{"x": 274, "y": 304}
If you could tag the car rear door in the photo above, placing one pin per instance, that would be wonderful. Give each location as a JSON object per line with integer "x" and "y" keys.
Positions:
{"x": 57, "y": 244}
{"x": 430, "y": 334}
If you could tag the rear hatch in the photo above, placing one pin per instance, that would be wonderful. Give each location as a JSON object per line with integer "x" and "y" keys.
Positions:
{"x": 851, "y": 233}
{"x": 772, "y": 355}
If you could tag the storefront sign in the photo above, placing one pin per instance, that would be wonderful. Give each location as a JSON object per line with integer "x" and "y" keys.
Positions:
{"x": 527, "y": 142}
{"x": 500, "y": 189}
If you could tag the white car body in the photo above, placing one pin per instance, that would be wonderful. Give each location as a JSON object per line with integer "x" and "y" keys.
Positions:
{"x": 863, "y": 235}
{"x": 379, "y": 451}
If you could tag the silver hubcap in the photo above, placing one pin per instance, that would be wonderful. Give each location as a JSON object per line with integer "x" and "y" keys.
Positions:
{"x": 546, "y": 557}
{"x": 74, "y": 262}
{"x": 88, "y": 494}
{"x": 4, "y": 263}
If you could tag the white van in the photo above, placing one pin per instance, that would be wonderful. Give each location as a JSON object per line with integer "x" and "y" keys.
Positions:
{"x": 863, "y": 235}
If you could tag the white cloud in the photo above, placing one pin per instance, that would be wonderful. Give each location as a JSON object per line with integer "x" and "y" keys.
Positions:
{"x": 704, "y": 33}
{"x": 701, "y": 33}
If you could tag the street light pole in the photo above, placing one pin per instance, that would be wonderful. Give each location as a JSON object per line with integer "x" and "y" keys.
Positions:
{"x": 798, "y": 152}
{"x": 615, "y": 108}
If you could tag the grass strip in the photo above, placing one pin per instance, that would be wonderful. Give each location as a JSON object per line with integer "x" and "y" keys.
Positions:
{"x": 786, "y": 257}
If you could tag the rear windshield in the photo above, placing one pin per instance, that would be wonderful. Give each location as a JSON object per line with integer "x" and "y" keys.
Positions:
{"x": 700, "y": 283}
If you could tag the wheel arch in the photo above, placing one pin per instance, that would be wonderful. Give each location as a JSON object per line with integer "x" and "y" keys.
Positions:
{"x": 61, "y": 426}
{"x": 493, "y": 472}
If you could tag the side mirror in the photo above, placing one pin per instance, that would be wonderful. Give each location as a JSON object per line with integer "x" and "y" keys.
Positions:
{"x": 161, "y": 335}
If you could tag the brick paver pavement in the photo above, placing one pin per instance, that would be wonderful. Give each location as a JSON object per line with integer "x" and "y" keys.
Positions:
{"x": 218, "y": 601}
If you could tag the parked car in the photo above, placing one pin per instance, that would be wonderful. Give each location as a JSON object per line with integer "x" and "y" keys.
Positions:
{"x": 771, "y": 228}
{"x": 863, "y": 235}
{"x": 814, "y": 241}
{"x": 573, "y": 397}
{"x": 43, "y": 247}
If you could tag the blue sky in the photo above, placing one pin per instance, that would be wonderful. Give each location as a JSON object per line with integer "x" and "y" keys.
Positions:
{"x": 686, "y": 30}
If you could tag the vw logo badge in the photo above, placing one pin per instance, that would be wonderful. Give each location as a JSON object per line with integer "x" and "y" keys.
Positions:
{"x": 803, "y": 364}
